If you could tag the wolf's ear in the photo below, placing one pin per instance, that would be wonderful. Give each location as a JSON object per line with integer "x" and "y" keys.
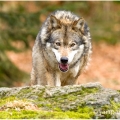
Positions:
{"x": 55, "y": 23}
{"x": 79, "y": 25}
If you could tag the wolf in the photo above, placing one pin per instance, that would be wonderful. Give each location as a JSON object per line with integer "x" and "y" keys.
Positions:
{"x": 61, "y": 51}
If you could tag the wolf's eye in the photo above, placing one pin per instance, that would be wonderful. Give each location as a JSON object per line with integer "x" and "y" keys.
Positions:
{"x": 72, "y": 44}
{"x": 58, "y": 44}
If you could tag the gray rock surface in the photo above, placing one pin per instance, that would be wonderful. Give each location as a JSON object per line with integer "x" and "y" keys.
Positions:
{"x": 104, "y": 102}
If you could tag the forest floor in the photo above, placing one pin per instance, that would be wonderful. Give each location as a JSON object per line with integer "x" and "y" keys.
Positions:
{"x": 104, "y": 66}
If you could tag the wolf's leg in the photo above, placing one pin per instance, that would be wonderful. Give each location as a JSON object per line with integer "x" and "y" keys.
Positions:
{"x": 33, "y": 78}
{"x": 70, "y": 81}
{"x": 38, "y": 79}
{"x": 57, "y": 80}
{"x": 50, "y": 79}
{"x": 53, "y": 79}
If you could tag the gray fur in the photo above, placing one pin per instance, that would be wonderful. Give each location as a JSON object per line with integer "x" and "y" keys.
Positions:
{"x": 66, "y": 28}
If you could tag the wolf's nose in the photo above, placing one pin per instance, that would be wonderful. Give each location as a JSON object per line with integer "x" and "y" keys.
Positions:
{"x": 64, "y": 60}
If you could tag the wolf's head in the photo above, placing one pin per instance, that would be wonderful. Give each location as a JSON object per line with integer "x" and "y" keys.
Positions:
{"x": 67, "y": 36}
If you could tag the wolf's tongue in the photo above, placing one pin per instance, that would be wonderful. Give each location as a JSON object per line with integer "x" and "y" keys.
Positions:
{"x": 63, "y": 67}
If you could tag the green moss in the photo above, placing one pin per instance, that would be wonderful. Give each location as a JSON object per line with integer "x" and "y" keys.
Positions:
{"x": 109, "y": 110}
{"x": 52, "y": 111}
{"x": 3, "y": 101}
{"x": 40, "y": 94}
{"x": 24, "y": 91}
{"x": 41, "y": 99}
{"x": 57, "y": 109}
{"x": 74, "y": 95}
{"x": 60, "y": 101}
{"x": 30, "y": 92}
{"x": 18, "y": 114}
{"x": 113, "y": 106}
{"x": 50, "y": 107}
{"x": 24, "y": 114}
{"x": 118, "y": 90}
{"x": 86, "y": 91}
{"x": 11, "y": 100}
{"x": 81, "y": 111}
{"x": 85, "y": 109}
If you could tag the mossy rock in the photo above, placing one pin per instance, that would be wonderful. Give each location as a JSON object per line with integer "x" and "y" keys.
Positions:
{"x": 78, "y": 101}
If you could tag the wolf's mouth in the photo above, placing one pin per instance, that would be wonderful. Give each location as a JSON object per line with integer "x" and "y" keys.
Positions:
{"x": 63, "y": 67}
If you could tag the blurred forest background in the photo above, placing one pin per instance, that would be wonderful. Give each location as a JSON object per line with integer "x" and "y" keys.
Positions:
{"x": 20, "y": 22}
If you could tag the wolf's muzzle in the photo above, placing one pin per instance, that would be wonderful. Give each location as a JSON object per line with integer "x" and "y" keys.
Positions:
{"x": 63, "y": 65}
{"x": 64, "y": 60}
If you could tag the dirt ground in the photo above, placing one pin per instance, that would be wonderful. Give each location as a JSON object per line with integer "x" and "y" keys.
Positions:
{"x": 104, "y": 66}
